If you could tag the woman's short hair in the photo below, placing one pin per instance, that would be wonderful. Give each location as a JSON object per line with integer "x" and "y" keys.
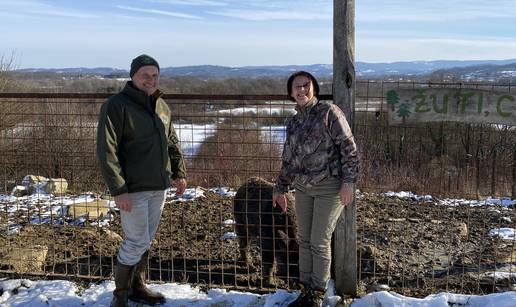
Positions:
{"x": 304, "y": 74}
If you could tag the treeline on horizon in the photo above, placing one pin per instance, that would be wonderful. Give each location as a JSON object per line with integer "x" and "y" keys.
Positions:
{"x": 47, "y": 82}
{"x": 50, "y": 82}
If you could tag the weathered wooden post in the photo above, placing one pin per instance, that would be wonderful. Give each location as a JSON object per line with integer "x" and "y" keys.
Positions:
{"x": 345, "y": 244}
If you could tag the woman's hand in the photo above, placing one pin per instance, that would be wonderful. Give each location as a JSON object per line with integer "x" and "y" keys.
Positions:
{"x": 346, "y": 194}
{"x": 180, "y": 185}
{"x": 281, "y": 200}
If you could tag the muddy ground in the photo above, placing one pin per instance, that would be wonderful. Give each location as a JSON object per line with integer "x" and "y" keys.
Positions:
{"x": 415, "y": 247}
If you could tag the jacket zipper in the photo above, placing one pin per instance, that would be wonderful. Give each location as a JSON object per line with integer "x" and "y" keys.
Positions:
{"x": 154, "y": 119}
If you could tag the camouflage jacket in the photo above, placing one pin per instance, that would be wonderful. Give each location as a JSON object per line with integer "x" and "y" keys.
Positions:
{"x": 319, "y": 145}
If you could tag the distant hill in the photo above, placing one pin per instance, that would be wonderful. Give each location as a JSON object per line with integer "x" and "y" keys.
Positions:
{"x": 200, "y": 71}
{"x": 419, "y": 67}
{"x": 102, "y": 71}
{"x": 210, "y": 71}
{"x": 478, "y": 72}
{"x": 470, "y": 69}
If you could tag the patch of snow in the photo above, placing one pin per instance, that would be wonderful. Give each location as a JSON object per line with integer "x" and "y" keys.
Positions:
{"x": 391, "y": 299}
{"x": 507, "y": 272}
{"x": 230, "y": 235}
{"x": 229, "y": 222}
{"x": 223, "y": 191}
{"x": 410, "y": 195}
{"x": 192, "y": 136}
{"x": 189, "y": 194}
{"x": 504, "y": 233}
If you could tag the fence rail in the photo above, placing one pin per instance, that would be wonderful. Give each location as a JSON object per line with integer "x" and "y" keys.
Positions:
{"x": 415, "y": 245}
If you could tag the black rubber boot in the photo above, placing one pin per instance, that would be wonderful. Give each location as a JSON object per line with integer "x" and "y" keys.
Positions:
{"x": 123, "y": 275}
{"x": 139, "y": 292}
{"x": 304, "y": 296}
{"x": 316, "y": 298}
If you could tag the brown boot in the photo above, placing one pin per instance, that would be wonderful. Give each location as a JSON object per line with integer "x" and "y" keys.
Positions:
{"x": 123, "y": 275}
{"x": 139, "y": 292}
{"x": 316, "y": 298}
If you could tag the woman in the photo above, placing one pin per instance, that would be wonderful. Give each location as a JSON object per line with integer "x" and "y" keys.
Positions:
{"x": 320, "y": 161}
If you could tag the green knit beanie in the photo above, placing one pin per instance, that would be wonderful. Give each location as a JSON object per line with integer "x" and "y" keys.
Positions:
{"x": 142, "y": 60}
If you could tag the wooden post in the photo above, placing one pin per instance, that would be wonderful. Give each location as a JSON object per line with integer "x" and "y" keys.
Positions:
{"x": 345, "y": 244}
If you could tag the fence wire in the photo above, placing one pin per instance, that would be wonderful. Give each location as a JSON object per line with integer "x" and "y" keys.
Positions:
{"x": 225, "y": 231}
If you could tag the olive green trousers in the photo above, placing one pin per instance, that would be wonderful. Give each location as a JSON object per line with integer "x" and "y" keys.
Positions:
{"x": 318, "y": 208}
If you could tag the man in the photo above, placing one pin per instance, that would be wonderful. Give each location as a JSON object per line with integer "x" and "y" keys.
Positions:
{"x": 138, "y": 153}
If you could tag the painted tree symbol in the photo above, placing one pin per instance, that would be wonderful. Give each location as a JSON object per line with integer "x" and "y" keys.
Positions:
{"x": 392, "y": 99}
{"x": 403, "y": 111}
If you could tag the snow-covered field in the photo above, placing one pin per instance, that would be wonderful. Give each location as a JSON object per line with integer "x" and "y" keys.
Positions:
{"x": 23, "y": 292}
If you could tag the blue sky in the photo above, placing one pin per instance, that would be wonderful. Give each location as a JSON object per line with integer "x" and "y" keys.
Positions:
{"x": 93, "y": 33}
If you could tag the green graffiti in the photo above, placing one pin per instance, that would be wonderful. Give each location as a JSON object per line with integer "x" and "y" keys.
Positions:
{"x": 392, "y": 98}
{"x": 461, "y": 105}
{"x": 403, "y": 111}
{"x": 499, "y": 105}
{"x": 464, "y": 100}
{"x": 480, "y": 104}
{"x": 444, "y": 106}
{"x": 420, "y": 100}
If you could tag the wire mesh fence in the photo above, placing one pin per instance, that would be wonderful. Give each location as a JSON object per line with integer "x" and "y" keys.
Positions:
{"x": 60, "y": 221}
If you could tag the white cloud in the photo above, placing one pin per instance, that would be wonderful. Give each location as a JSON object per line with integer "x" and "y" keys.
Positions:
{"x": 191, "y": 2}
{"x": 402, "y": 48}
{"x": 257, "y": 15}
{"x": 66, "y": 14}
{"x": 158, "y": 12}
{"x": 437, "y": 10}
{"x": 262, "y": 10}
{"x": 23, "y": 7}
{"x": 472, "y": 43}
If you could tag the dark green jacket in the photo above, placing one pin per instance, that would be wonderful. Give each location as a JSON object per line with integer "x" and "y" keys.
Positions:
{"x": 137, "y": 146}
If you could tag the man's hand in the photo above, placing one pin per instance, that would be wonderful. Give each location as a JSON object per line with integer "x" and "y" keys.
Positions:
{"x": 123, "y": 202}
{"x": 346, "y": 194}
{"x": 180, "y": 185}
{"x": 281, "y": 200}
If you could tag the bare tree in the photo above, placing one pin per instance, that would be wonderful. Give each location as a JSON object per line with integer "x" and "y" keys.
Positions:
{"x": 7, "y": 65}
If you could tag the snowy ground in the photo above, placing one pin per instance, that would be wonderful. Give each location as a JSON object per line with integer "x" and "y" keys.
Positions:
{"x": 23, "y": 292}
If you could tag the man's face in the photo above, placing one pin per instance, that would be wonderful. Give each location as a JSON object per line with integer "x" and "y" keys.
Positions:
{"x": 147, "y": 79}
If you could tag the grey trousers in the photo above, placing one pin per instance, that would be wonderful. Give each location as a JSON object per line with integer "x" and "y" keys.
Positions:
{"x": 318, "y": 208}
{"x": 140, "y": 225}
